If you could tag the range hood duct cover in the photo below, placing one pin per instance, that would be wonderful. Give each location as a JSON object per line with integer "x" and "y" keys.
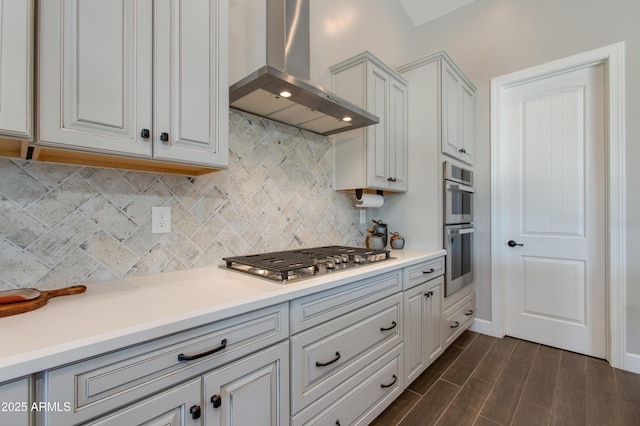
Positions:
{"x": 310, "y": 106}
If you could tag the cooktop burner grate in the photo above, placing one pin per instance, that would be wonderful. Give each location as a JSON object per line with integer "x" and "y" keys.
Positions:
{"x": 301, "y": 263}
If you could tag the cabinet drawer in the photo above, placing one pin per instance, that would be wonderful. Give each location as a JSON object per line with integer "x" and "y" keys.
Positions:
{"x": 315, "y": 309}
{"x": 458, "y": 318}
{"x": 425, "y": 271}
{"x": 325, "y": 356}
{"x": 107, "y": 382}
{"x": 359, "y": 399}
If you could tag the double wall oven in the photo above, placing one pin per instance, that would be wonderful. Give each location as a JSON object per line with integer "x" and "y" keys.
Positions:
{"x": 458, "y": 226}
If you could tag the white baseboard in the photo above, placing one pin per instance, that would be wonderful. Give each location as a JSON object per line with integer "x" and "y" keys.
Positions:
{"x": 482, "y": 326}
{"x": 632, "y": 362}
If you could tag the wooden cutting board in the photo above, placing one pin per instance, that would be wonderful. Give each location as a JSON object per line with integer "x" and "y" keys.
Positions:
{"x": 29, "y": 305}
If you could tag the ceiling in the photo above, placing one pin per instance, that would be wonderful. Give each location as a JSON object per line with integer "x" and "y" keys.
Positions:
{"x": 422, "y": 11}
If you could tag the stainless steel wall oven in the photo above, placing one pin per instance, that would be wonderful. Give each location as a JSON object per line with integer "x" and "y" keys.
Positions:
{"x": 459, "y": 266}
{"x": 458, "y": 194}
{"x": 458, "y": 227}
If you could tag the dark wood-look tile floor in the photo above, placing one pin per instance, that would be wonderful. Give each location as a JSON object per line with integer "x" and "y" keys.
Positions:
{"x": 482, "y": 380}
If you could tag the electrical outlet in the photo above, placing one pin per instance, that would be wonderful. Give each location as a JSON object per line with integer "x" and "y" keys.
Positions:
{"x": 160, "y": 220}
{"x": 363, "y": 217}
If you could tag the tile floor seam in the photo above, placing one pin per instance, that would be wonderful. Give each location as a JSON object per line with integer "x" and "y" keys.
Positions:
{"x": 524, "y": 385}
{"x": 467, "y": 379}
{"x": 411, "y": 408}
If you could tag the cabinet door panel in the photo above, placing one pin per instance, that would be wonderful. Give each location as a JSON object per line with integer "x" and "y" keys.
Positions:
{"x": 468, "y": 123}
{"x": 17, "y": 396}
{"x": 434, "y": 320}
{"x": 377, "y": 134}
{"x": 398, "y": 138}
{"x": 450, "y": 111}
{"x": 170, "y": 408}
{"x": 100, "y": 53}
{"x": 16, "y": 48}
{"x": 253, "y": 391}
{"x": 190, "y": 68}
{"x": 414, "y": 331}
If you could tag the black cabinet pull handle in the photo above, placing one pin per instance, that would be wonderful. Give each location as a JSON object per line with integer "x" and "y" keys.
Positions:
{"x": 183, "y": 357}
{"x": 393, "y": 325}
{"x": 427, "y": 294}
{"x": 469, "y": 312}
{"x": 164, "y": 137}
{"x": 512, "y": 243}
{"x": 456, "y": 324}
{"x": 216, "y": 401}
{"x": 430, "y": 271}
{"x": 324, "y": 364}
{"x": 144, "y": 134}
{"x": 195, "y": 412}
{"x": 395, "y": 379}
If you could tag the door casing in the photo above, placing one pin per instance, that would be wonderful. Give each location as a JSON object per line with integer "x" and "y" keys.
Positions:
{"x": 612, "y": 57}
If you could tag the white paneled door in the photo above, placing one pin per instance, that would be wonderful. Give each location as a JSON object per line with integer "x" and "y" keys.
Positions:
{"x": 554, "y": 224}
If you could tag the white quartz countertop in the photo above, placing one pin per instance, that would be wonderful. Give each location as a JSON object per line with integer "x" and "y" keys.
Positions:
{"x": 119, "y": 313}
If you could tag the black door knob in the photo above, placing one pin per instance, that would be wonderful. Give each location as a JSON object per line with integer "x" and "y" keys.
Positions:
{"x": 145, "y": 134}
{"x": 164, "y": 137}
{"x": 512, "y": 243}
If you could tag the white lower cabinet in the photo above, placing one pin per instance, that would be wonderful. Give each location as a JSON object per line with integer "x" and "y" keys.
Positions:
{"x": 359, "y": 398}
{"x": 347, "y": 369}
{"x": 423, "y": 304}
{"x": 225, "y": 353}
{"x": 16, "y": 403}
{"x": 457, "y": 318}
{"x": 335, "y": 357}
{"x": 253, "y": 391}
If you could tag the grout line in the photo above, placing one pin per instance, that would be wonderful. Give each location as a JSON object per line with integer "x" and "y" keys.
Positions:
{"x": 411, "y": 408}
{"x": 468, "y": 378}
{"x": 493, "y": 385}
{"x": 524, "y": 385}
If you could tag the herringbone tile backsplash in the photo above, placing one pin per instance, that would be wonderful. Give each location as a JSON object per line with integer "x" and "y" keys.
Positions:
{"x": 63, "y": 225}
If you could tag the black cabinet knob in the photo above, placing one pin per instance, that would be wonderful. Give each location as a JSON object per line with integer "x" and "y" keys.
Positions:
{"x": 164, "y": 137}
{"x": 145, "y": 133}
{"x": 195, "y": 412}
{"x": 216, "y": 401}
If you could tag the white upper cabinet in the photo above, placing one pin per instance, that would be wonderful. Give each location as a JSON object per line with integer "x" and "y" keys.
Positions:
{"x": 16, "y": 68}
{"x": 457, "y": 114}
{"x": 374, "y": 157}
{"x": 144, "y": 79}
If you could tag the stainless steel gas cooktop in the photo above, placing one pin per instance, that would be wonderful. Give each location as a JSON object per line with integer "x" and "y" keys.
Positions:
{"x": 291, "y": 265}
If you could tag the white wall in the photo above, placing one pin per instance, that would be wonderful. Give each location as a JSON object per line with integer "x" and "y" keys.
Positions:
{"x": 342, "y": 29}
{"x": 490, "y": 38}
{"x": 338, "y": 30}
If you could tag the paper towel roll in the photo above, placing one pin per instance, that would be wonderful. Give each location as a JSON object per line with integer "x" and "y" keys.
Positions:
{"x": 370, "y": 200}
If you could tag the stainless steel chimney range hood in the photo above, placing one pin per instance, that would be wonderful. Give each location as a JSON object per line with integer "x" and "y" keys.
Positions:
{"x": 281, "y": 90}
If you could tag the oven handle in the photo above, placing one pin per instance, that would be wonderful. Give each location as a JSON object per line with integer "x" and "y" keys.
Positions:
{"x": 459, "y": 187}
{"x": 460, "y": 231}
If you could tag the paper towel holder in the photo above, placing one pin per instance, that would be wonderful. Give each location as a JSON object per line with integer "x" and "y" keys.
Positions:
{"x": 359, "y": 192}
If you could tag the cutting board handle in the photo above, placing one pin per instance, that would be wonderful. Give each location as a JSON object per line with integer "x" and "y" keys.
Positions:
{"x": 76, "y": 289}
